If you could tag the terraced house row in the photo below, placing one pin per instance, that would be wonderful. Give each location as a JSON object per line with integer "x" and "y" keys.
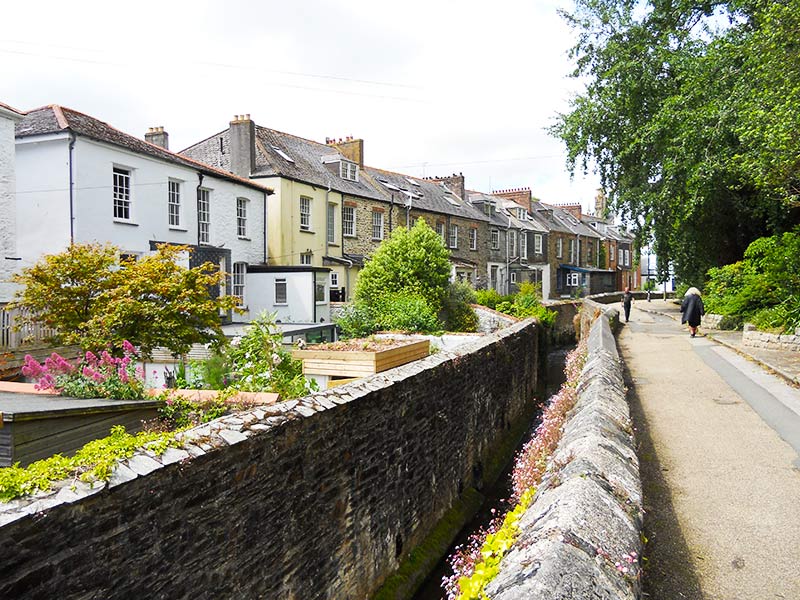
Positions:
{"x": 291, "y": 220}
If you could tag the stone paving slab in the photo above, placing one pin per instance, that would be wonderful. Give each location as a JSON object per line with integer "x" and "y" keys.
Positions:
{"x": 782, "y": 362}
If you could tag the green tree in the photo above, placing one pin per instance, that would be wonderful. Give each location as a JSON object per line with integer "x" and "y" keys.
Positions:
{"x": 689, "y": 118}
{"x": 412, "y": 261}
{"x": 94, "y": 300}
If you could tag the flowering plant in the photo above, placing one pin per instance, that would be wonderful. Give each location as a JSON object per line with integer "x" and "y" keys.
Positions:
{"x": 477, "y": 562}
{"x": 90, "y": 376}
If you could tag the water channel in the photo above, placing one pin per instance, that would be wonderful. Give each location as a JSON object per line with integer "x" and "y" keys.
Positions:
{"x": 495, "y": 496}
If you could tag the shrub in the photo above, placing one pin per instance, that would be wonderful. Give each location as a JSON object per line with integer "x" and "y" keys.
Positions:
{"x": 458, "y": 314}
{"x": 91, "y": 376}
{"x": 259, "y": 363}
{"x": 491, "y": 298}
{"x": 179, "y": 412}
{"x": 357, "y": 320}
{"x": 526, "y": 303}
{"x": 412, "y": 261}
{"x": 390, "y": 312}
{"x": 764, "y": 287}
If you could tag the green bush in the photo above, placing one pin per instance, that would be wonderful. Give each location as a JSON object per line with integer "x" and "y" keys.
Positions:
{"x": 763, "y": 288}
{"x": 458, "y": 314}
{"x": 390, "y": 312}
{"x": 527, "y": 303}
{"x": 491, "y": 298}
{"x": 412, "y": 261}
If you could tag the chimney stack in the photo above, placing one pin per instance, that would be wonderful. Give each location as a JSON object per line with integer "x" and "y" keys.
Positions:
{"x": 350, "y": 148}
{"x": 243, "y": 145}
{"x": 157, "y": 136}
{"x": 521, "y": 196}
{"x": 456, "y": 184}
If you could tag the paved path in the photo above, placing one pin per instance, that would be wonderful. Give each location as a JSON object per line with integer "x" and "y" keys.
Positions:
{"x": 719, "y": 445}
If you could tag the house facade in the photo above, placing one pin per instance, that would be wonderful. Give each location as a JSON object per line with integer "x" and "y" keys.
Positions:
{"x": 9, "y": 257}
{"x": 318, "y": 189}
{"x": 81, "y": 180}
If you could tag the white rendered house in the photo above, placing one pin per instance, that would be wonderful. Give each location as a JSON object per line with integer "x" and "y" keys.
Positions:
{"x": 8, "y": 208}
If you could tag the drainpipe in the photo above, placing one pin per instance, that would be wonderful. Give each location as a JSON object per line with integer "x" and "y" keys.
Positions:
{"x": 347, "y": 276}
{"x": 199, "y": 185}
{"x": 508, "y": 260}
{"x": 266, "y": 256}
{"x": 72, "y": 139}
{"x": 327, "y": 216}
{"x": 391, "y": 210}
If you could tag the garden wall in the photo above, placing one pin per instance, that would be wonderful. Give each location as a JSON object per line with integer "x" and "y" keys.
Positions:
{"x": 581, "y": 536}
{"x": 324, "y": 497}
{"x": 771, "y": 341}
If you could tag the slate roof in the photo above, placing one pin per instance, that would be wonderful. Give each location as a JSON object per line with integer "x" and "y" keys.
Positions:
{"x": 58, "y": 119}
{"x": 425, "y": 194}
{"x": 497, "y": 218}
{"x": 557, "y": 219}
{"x": 305, "y": 164}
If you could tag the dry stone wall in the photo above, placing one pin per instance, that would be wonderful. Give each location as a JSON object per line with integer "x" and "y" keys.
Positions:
{"x": 321, "y": 497}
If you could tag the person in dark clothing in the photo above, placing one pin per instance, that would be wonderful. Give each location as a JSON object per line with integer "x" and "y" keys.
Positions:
{"x": 627, "y": 300}
{"x": 692, "y": 309}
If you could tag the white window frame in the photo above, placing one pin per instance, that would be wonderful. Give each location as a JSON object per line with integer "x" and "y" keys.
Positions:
{"x": 377, "y": 225}
{"x": 441, "y": 231}
{"x": 334, "y": 280}
{"x": 239, "y": 278}
{"x": 453, "y": 236}
{"x": 627, "y": 258}
{"x": 122, "y": 193}
{"x": 174, "y": 203}
{"x": 573, "y": 279}
{"x": 348, "y": 170}
{"x": 589, "y": 252}
{"x": 307, "y": 258}
{"x": 349, "y": 221}
{"x": 559, "y": 247}
{"x": 495, "y": 239}
{"x": 620, "y": 257}
{"x": 512, "y": 242}
{"x": 473, "y": 238}
{"x": 331, "y": 224}
{"x": 241, "y": 218}
{"x": 513, "y": 277}
{"x": 204, "y": 216}
{"x": 572, "y": 247}
{"x": 320, "y": 289}
{"x": 537, "y": 243}
{"x": 281, "y": 283}
{"x": 523, "y": 245}
{"x": 305, "y": 213}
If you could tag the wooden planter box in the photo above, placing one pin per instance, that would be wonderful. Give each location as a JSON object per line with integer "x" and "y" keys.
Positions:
{"x": 359, "y": 363}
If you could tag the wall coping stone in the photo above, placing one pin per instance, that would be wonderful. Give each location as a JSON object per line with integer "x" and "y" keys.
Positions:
{"x": 587, "y": 514}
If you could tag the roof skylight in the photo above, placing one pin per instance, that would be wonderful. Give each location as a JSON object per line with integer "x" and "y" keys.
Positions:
{"x": 282, "y": 154}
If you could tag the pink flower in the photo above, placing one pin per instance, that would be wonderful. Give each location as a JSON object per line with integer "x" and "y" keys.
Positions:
{"x": 127, "y": 347}
{"x": 91, "y": 358}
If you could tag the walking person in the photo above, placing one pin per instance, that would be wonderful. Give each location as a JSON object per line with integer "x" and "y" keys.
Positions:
{"x": 627, "y": 300}
{"x": 692, "y": 309}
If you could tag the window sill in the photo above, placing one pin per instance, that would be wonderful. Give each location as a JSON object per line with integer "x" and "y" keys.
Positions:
{"x": 244, "y": 238}
{"x": 307, "y": 231}
{"x": 322, "y": 303}
{"x": 333, "y": 245}
{"x": 280, "y": 304}
{"x": 377, "y": 239}
{"x": 125, "y": 222}
{"x": 176, "y": 228}
{"x": 350, "y": 235}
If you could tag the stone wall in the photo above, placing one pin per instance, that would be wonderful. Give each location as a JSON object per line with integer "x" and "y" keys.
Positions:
{"x": 771, "y": 341}
{"x": 580, "y": 538}
{"x": 323, "y": 497}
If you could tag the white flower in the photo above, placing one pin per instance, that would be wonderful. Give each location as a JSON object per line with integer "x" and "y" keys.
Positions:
{"x": 236, "y": 341}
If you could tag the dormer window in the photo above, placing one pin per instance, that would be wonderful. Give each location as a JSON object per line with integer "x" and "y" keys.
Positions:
{"x": 348, "y": 170}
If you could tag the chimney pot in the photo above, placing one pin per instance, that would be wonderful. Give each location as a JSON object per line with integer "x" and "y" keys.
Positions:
{"x": 247, "y": 117}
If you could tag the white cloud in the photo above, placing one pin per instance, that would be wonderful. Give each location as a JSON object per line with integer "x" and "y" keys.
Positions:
{"x": 432, "y": 87}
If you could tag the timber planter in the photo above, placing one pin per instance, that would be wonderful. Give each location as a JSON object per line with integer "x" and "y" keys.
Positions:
{"x": 350, "y": 361}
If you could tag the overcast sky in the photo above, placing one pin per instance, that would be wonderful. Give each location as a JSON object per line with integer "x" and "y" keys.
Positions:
{"x": 433, "y": 87}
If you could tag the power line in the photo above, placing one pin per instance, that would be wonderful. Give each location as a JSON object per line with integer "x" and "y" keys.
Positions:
{"x": 201, "y": 63}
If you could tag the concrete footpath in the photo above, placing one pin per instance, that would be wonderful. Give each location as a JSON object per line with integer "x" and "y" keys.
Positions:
{"x": 719, "y": 445}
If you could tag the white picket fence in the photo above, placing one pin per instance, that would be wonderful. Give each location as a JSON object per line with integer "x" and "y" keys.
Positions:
{"x": 13, "y": 335}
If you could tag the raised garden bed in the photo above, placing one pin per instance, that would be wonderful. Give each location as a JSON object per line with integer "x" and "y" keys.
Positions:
{"x": 359, "y": 358}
